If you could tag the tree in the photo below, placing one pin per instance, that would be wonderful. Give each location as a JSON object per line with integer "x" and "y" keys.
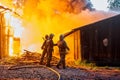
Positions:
{"x": 114, "y": 5}
{"x": 77, "y": 6}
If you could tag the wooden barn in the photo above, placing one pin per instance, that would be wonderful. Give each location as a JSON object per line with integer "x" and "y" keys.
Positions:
{"x": 3, "y": 38}
{"x": 98, "y": 42}
{"x": 9, "y": 44}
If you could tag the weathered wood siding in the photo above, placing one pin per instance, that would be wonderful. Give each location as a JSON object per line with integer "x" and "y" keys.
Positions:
{"x": 101, "y": 41}
{"x": 97, "y": 42}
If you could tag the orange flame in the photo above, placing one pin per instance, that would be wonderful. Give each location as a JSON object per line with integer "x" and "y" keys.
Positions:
{"x": 15, "y": 28}
{"x": 51, "y": 16}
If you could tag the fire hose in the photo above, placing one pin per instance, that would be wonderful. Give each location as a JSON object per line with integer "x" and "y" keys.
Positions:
{"x": 36, "y": 66}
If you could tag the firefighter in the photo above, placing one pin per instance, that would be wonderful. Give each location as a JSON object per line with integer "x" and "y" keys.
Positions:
{"x": 62, "y": 45}
{"x": 50, "y": 49}
{"x": 44, "y": 47}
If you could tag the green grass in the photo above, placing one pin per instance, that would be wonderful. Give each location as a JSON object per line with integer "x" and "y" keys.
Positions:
{"x": 93, "y": 66}
{"x": 85, "y": 63}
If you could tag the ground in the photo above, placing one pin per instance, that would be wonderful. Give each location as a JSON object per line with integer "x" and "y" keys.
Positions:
{"x": 28, "y": 68}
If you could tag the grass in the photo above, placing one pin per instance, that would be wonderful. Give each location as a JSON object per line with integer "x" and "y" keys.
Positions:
{"x": 93, "y": 66}
{"x": 86, "y": 64}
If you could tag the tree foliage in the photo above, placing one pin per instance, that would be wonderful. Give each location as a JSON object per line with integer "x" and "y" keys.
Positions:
{"x": 114, "y": 5}
{"x": 79, "y": 5}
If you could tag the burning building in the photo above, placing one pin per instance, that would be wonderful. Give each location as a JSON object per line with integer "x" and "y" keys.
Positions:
{"x": 42, "y": 17}
{"x": 10, "y": 30}
{"x": 98, "y": 42}
{"x": 3, "y": 41}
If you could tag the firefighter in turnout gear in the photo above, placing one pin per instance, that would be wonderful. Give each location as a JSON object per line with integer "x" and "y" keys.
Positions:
{"x": 62, "y": 45}
{"x": 44, "y": 47}
{"x": 50, "y": 49}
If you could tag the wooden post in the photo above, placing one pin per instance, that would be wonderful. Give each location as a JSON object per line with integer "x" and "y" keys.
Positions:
{"x": 3, "y": 38}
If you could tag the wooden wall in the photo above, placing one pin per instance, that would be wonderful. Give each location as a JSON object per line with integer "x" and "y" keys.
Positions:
{"x": 3, "y": 38}
{"x": 97, "y": 42}
{"x": 101, "y": 42}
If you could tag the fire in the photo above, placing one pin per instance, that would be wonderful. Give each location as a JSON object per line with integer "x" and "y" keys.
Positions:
{"x": 48, "y": 16}
{"x": 11, "y": 46}
{"x": 14, "y": 30}
{"x": 56, "y": 16}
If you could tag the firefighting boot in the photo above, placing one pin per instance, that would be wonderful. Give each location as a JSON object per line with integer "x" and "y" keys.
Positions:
{"x": 64, "y": 67}
{"x": 57, "y": 67}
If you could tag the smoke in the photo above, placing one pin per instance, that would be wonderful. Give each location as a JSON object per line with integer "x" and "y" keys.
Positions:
{"x": 42, "y": 17}
{"x": 55, "y": 16}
